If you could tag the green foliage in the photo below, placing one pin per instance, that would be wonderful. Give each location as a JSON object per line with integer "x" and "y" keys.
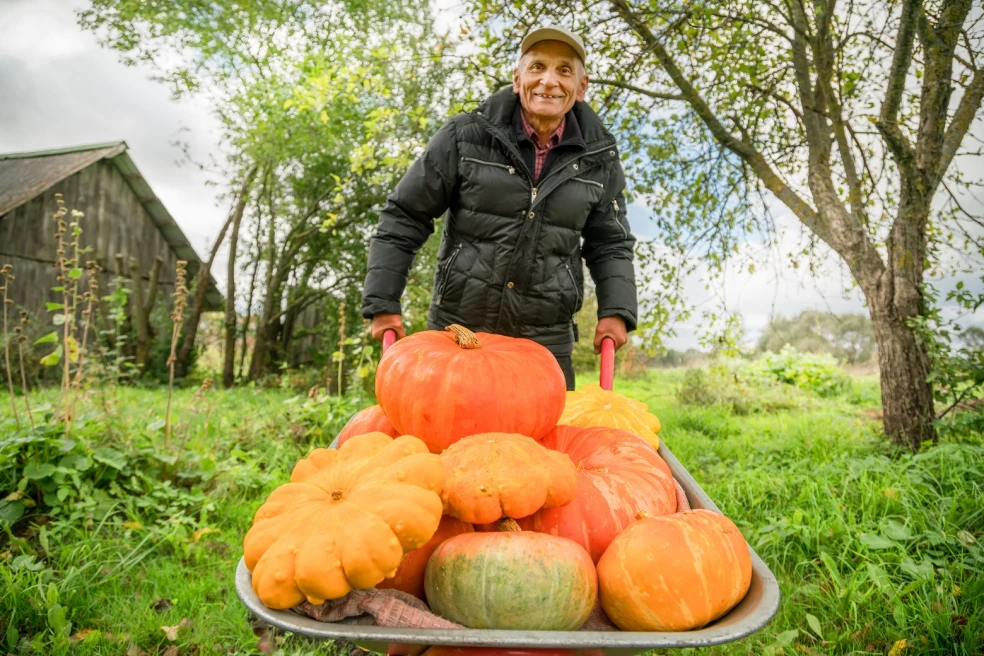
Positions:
{"x": 850, "y": 338}
{"x": 811, "y": 372}
{"x": 775, "y": 381}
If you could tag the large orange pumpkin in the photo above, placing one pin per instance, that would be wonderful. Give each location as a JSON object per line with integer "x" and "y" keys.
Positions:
{"x": 591, "y": 405}
{"x": 445, "y": 385}
{"x": 345, "y": 520}
{"x": 495, "y": 475}
{"x": 512, "y": 580}
{"x": 618, "y": 476}
{"x": 410, "y": 575}
{"x": 674, "y": 573}
{"x": 367, "y": 420}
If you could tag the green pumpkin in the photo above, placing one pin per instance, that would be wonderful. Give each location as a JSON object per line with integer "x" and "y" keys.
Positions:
{"x": 512, "y": 580}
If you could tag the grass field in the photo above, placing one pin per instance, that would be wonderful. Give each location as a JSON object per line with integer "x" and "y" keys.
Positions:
{"x": 131, "y": 542}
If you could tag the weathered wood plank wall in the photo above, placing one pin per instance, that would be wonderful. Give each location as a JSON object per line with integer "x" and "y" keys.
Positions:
{"x": 114, "y": 222}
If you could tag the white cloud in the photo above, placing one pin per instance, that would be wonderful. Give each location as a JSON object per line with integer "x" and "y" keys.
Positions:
{"x": 60, "y": 88}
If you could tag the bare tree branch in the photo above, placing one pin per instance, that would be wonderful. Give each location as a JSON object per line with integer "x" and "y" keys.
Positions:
{"x": 746, "y": 151}
{"x": 661, "y": 95}
{"x": 888, "y": 121}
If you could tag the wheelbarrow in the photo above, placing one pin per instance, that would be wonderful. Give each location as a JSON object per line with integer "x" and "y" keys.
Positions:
{"x": 751, "y": 614}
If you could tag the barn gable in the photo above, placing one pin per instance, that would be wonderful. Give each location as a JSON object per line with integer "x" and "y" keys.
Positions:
{"x": 122, "y": 215}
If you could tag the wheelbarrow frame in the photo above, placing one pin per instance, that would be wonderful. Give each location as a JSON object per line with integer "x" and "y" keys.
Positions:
{"x": 751, "y": 614}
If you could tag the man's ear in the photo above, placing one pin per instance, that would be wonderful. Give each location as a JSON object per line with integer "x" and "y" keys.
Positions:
{"x": 516, "y": 80}
{"x": 582, "y": 87}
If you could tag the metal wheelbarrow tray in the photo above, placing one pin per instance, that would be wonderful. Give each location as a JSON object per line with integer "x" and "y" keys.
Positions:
{"x": 751, "y": 614}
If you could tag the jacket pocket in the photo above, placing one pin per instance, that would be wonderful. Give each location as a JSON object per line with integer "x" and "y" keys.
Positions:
{"x": 446, "y": 273}
{"x": 577, "y": 291}
{"x": 590, "y": 182}
{"x": 511, "y": 169}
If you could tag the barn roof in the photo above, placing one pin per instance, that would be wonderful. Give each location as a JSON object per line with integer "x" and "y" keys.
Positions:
{"x": 24, "y": 176}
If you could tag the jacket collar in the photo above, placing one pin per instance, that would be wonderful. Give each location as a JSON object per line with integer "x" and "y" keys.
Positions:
{"x": 500, "y": 109}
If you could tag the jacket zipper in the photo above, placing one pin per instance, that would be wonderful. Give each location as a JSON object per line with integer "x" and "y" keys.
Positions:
{"x": 447, "y": 270}
{"x": 625, "y": 235}
{"x": 511, "y": 169}
{"x": 590, "y": 182}
{"x": 577, "y": 294}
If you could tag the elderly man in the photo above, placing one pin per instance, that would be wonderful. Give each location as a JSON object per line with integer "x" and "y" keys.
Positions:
{"x": 531, "y": 182}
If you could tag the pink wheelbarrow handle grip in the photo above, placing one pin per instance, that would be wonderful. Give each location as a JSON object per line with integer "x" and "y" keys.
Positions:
{"x": 607, "y": 363}
{"x": 389, "y": 338}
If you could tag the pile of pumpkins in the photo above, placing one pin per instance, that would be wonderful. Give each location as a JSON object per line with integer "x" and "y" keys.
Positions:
{"x": 480, "y": 485}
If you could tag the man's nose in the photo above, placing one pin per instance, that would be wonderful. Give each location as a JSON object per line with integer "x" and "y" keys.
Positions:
{"x": 549, "y": 78}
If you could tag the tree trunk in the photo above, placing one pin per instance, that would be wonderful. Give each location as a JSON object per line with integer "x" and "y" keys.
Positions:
{"x": 249, "y": 298}
{"x": 228, "y": 377}
{"x": 198, "y": 304}
{"x": 257, "y": 366}
{"x": 142, "y": 306}
{"x": 907, "y": 396}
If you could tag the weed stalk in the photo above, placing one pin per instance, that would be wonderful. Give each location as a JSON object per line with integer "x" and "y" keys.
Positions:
{"x": 7, "y": 277}
{"x": 177, "y": 317}
{"x": 21, "y": 331}
{"x": 91, "y": 297}
{"x": 341, "y": 343}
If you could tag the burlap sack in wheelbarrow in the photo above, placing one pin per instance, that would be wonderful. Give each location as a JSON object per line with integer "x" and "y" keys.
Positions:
{"x": 398, "y": 609}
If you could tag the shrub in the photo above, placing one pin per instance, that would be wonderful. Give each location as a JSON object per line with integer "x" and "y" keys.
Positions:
{"x": 812, "y": 372}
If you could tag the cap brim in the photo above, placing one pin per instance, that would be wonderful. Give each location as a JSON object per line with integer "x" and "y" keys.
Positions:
{"x": 551, "y": 34}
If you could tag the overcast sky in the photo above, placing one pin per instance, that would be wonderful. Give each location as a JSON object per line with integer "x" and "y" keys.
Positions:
{"x": 59, "y": 88}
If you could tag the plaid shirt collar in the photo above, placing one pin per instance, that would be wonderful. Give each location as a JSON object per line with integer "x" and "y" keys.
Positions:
{"x": 552, "y": 140}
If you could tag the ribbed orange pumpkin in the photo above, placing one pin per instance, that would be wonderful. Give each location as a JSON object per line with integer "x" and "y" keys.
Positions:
{"x": 674, "y": 573}
{"x": 618, "y": 476}
{"x": 495, "y": 475}
{"x": 591, "y": 405}
{"x": 410, "y": 575}
{"x": 345, "y": 520}
{"x": 445, "y": 385}
{"x": 512, "y": 580}
{"x": 367, "y": 420}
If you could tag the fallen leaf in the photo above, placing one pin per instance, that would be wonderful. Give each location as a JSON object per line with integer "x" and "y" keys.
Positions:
{"x": 897, "y": 648}
{"x": 162, "y": 605}
{"x": 172, "y": 631}
{"x": 957, "y": 591}
{"x": 890, "y": 492}
{"x": 136, "y": 526}
{"x": 266, "y": 646}
{"x": 197, "y": 535}
{"x": 170, "y": 651}
{"x": 82, "y": 635}
{"x": 134, "y": 650}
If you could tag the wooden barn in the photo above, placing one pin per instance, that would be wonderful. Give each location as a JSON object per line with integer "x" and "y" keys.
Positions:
{"x": 123, "y": 217}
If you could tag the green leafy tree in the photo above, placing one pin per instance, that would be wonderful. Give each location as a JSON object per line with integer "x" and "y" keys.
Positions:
{"x": 848, "y": 337}
{"x": 848, "y": 116}
{"x": 323, "y": 106}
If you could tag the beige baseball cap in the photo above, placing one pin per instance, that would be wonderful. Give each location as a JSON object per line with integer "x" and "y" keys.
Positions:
{"x": 553, "y": 33}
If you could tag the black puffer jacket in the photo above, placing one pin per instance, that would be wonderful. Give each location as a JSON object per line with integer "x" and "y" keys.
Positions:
{"x": 510, "y": 256}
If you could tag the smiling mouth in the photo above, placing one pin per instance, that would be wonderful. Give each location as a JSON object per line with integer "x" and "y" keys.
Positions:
{"x": 547, "y": 96}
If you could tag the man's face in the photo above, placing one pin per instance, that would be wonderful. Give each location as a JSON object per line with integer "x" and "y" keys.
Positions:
{"x": 549, "y": 78}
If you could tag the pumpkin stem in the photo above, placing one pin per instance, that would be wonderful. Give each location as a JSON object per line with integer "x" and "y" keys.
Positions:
{"x": 643, "y": 514}
{"x": 509, "y": 525}
{"x": 465, "y": 338}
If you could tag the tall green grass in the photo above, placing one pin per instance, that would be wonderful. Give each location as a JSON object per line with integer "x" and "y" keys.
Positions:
{"x": 871, "y": 546}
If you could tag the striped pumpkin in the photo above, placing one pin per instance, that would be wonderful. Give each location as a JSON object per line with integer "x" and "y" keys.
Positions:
{"x": 674, "y": 573}
{"x": 618, "y": 476}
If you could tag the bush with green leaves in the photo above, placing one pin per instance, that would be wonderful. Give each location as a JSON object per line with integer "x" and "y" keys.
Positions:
{"x": 726, "y": 383}
{"x": 811, "y": 372}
